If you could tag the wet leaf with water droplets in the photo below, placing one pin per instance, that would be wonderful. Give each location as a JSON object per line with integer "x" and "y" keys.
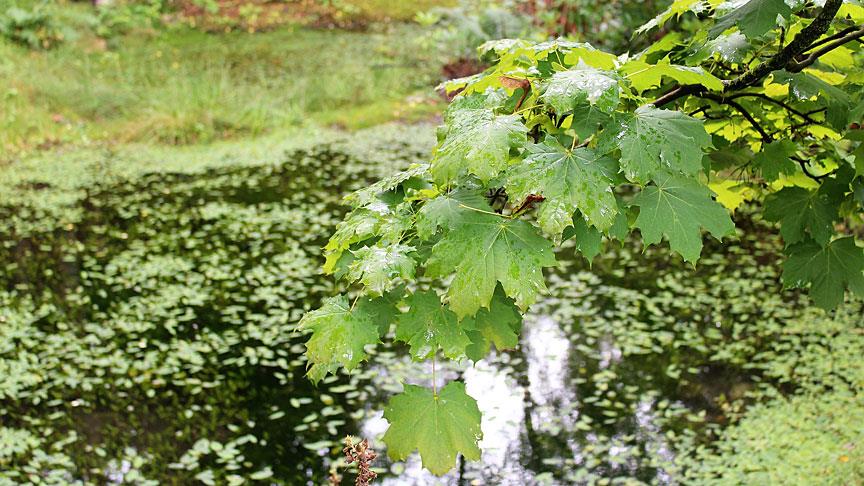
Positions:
{"x": 376, "y": 219}
{"x": 429, "y": 325}
{"x": 478, "y": 142}
{"x": 448, "y": 211}
{"x": 753, "y": 18}
{"x": 582, "y": 84}
{"x": 570, "y": 180}
{"x": 485, "y": 249}
{"x": 377, "y": 267}
{"x": 339, "y": 335}
{"x": 652, "y": 140}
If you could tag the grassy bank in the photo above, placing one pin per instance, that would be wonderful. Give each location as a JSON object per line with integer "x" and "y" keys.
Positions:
{"x": 181, "y": 86}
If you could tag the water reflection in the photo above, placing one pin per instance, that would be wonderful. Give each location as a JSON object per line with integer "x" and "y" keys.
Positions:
{"x": 198, "y": 284}
{"x": 541, "y": 412}
{"x": 547, "y": 350}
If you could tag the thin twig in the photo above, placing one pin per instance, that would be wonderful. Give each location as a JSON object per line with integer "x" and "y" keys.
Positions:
{"x": 785, "y": 106}
{"x": 766, "y": 138}
{"x": 699, "y": 110}
{"x": 794, "y": 66}
{"x": 803, "y": 163}
{"x": 831, "y": 37}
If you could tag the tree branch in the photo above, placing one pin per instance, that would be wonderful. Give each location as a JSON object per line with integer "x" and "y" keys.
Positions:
{"x": 779, "y": 103}
{"x": 836, "y": 35}
{"x": 766, "y": 138}
{"x": 794, "y": 66}
{"x": 798, "y": 45}
{"x": 803, "y": 164}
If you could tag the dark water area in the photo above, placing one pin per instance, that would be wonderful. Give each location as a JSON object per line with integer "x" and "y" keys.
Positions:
{"x": 155, "y": 337}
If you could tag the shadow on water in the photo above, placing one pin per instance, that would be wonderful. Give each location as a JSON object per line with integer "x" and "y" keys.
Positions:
{"x": 169, "y": 314}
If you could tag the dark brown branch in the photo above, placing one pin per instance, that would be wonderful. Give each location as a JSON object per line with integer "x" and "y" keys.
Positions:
{"x": 766, "y": 138}
{"x": 803, "y": 164}
{"x": 779, "y": 103}
{"x": 698, "y": 110}
{"x": 836, "y": 35}
{"x": 798, "y": 45}
{"x": 795, "y": 66}
{"x": 678, "y": 92}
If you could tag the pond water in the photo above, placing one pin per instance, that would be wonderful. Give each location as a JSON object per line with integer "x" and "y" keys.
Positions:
{"x": 153, "y": 336}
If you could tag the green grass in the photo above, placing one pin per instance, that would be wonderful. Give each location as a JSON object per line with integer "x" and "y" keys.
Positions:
{"x": 187, "y": 87}
{"x": 396, "y": 9}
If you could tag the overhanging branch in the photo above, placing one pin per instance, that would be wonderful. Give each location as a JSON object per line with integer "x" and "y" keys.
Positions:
{"x": 795, "y": 66}
{"x": 801, "y": 43}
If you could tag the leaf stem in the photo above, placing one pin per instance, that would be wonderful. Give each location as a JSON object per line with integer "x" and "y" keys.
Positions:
{"x": 434, "y": 380}
{"x": 527, "y": 108}
{"x": 482, "y": 211}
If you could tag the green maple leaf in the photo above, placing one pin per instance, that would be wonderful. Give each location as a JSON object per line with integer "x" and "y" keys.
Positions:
{"x": 377, "y": 267}
{"x": 569, "y": 180}
{"x": 485, "y": 249}
{"x": 753, "y": 19}
{"x": 380, "y": 310}
{"x": 499, "y": 325}
{"x": 675, "y": 10}
{"x": 774, "y": 159}
{"x": 643, "y": 76}
{"x": 799, "y": 210}
{"x": 805, "y": 86}
{"x": 339, "y": 335}
{"x": 428, "y": 325}
{"x": 732, "y": 47}
{"x": 588, "y": 238}
{"x": 369, "y": 194}
{"x": 439, "y": 427}
{"x": 828, "y": 270}
{"x": 586, "y": 119}
{"x": 376, "y": 219}
{"x": 448, "y": 211}
{"x": 677, "y": 207}
{"x": 582, "y": 84}
{"x": 652, "y": 140}
{"x": 478, "y": 141}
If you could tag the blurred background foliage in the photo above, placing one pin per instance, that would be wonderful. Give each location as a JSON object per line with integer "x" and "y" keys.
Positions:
{"x": 168, "y": 173}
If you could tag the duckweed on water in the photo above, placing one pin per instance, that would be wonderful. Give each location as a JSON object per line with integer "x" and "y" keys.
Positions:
{"x": 148, "y": 334}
